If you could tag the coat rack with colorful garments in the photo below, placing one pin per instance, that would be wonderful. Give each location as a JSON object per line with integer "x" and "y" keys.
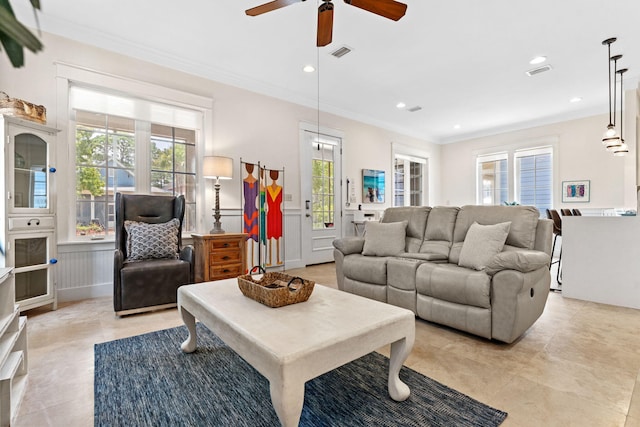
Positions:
{"x": 263, "y": 215}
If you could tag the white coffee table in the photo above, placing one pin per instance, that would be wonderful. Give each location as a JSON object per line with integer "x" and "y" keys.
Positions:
{"x": 293, "y": 344}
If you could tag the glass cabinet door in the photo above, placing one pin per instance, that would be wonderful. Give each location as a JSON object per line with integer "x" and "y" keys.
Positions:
{"x": 31, "y": 187}
{"x": 31, "y": 255}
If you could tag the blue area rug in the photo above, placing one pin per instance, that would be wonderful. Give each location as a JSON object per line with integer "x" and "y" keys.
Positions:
{"x": 147, "y": 380}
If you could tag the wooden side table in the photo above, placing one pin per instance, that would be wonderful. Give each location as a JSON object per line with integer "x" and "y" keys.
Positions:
{"x": 219, "y": 256}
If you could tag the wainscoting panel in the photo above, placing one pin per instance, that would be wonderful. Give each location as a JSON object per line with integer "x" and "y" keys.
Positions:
{"x": 85, "y": 269}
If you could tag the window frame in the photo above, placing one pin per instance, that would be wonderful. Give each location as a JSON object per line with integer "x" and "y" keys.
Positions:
{"x": 407, "y": 188}
{"x": 526, "y": 152}
{"x": 489, "y": 158}
{"x": 68, "y": 76}
{"x": 518, "y": 149}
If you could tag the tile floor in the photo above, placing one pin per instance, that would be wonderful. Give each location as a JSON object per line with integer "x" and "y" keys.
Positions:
{"x": 577, "y": 366}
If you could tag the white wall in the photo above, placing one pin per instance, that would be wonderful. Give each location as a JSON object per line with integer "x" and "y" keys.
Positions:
{"x": 579, "y": 155}
{"x": 245, "y": 125}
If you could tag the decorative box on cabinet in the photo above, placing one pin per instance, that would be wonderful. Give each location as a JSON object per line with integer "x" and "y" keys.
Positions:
{"x": 219, "y": 256}
{"x": 13, "y": 350}
{"x": 27, "y": 210}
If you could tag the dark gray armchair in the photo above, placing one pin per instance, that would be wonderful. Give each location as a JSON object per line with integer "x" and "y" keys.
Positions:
{"x": 148, "y": 284}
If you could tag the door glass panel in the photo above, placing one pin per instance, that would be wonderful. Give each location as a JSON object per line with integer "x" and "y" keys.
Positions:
{"x": 322, "y": 165}
{"x": 30, "y": 172}
{"x": 31, "y": 284}
{"x": 30, "y": 251}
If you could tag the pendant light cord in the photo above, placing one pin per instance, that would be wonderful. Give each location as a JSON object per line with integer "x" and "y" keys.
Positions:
{"x": 609, "y": 65}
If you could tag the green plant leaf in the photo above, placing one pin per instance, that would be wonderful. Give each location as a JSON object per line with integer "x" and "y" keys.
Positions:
{"x": 15, "y": 31}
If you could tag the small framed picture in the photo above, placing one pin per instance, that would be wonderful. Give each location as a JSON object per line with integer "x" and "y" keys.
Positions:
{"x": 372, "y": 186}
{"x": 576, "y": 191}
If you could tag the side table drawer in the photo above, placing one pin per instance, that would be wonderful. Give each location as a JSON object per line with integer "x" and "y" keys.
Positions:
{"x": 216, "y": 245}
{"x": 224, "y": 257}
{"x": 218, "y": 272}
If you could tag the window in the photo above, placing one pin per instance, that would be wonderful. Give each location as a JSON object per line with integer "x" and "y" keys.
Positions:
{"x": 408, "y": 180}
{"x": 106, "y": 150}
{"x": 130, "y": 145}
{"x": 492, "y": 179}
{"x": 534, "y": 176}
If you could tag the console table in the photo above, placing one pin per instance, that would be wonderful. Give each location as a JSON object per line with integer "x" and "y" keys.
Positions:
{"x": 219, "y": 256}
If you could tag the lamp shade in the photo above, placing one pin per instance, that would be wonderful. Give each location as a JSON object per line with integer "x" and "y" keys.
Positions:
{"x": 217, "y": 167}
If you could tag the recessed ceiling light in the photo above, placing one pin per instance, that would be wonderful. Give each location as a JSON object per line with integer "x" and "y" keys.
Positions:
{"x": 309, "y": 69}
{"x": 457, "y": 126}
{"x": 575, "y": 99}
{"x": 401, "y": 105}
{"x": 538, "y": 60}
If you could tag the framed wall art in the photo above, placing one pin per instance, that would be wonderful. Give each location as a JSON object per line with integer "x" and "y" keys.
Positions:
{"x": 576, "y": 191}
{"x": 372, "y": 186}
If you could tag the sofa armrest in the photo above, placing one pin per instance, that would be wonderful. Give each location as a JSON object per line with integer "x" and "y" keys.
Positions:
{"x": 523, "y": 261}
{"x": 118, "y": 261}
{"x": 187, "y": 253}
{"x": 349, "y": 245}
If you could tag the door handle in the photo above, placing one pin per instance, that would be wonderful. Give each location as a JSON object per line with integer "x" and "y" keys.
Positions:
{"x": 307, "y": 204}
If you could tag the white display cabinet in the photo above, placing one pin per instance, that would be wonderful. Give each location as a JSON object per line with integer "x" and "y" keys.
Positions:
{"x": 13, "y": 350}
{"x": 28, "y": 217}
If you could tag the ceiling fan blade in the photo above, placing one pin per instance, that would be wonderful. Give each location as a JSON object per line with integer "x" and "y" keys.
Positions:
{"x": 387, "y": 8}
{"x": 325, "y": 24}
{"x": 268, "y": 7}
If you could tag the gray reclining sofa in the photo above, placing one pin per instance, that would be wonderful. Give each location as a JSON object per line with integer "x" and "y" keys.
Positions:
{"x": 494, "y": 286}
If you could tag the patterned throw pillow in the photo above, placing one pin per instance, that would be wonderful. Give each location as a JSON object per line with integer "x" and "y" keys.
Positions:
{"x": 152, "y": 241}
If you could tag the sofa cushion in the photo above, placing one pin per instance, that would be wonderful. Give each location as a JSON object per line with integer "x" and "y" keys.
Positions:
{"x": 524, "y": 221}
{"x": 365, "y": 269}
{"x": 482, "y": 243}
{"x": 384, "y": 239}
{"x": 439, "y": 231}
{"x": 440, "y": 226}
{"x": 417, "y": 221}
{"x": 522, "y": 233}
{"x": 450, "y": 282}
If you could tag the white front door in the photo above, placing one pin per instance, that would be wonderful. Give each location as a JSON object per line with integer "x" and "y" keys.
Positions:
{"x": 320, "y": 178}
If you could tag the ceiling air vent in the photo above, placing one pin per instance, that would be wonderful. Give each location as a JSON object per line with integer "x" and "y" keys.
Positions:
{"x": 414, "y": 109}
{"x": 340, "y": 52}
{"x": 538, "y": 70}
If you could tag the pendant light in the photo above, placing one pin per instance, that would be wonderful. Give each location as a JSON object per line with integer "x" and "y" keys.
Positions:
{"x": 610, "y": 135}
{"x": 615, "y": 142}
{"x": 623, "y": 149}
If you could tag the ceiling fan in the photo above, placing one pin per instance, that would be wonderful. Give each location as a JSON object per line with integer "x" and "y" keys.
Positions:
{"x": 390, "y": 9}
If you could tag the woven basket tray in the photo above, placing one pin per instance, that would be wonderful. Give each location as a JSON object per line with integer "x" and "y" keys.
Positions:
{"x": 22, "y": 109}
{"x": 275, "y": 289}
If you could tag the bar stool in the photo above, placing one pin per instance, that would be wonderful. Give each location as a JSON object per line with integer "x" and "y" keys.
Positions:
{"x": 566, "y": 212}
{"x": 557, "y": 231}
{"x": 576, "y": 212}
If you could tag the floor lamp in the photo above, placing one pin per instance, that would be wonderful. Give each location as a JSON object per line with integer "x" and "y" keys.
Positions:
{"x": 217, "y": 167}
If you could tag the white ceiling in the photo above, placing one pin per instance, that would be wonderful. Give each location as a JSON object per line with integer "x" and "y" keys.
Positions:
{"x": 462, "y": 61}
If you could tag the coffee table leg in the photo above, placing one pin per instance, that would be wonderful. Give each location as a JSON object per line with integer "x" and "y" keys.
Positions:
{"x": 400, "y": 350}
{"x": 189, "y": 346}
{"x": 287, "y": 400}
